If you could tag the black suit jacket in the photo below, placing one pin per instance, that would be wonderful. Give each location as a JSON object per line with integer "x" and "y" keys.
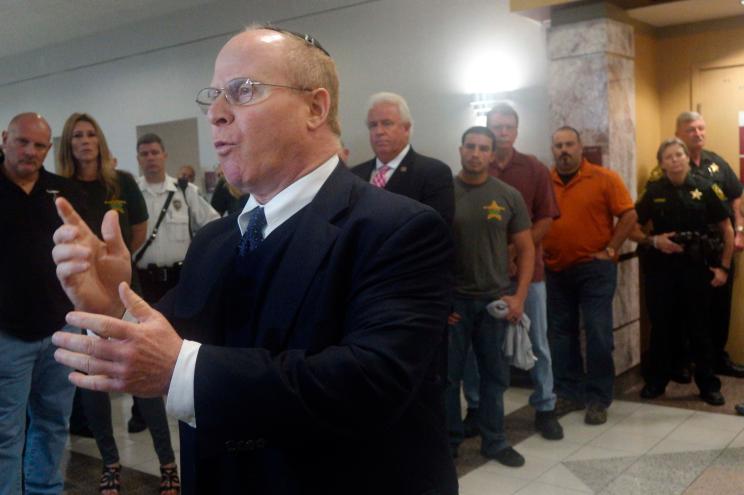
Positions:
{"x": 419, "y": 177}
{"x": 343, "y": 391}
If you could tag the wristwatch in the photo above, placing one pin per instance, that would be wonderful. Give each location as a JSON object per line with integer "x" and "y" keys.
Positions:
{"x": 610, "y": 251}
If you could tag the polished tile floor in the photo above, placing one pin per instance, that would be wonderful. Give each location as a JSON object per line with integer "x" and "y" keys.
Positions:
{"x": 642, "y": 449}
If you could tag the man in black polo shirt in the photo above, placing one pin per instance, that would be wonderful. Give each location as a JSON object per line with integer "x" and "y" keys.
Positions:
{"x": 691, "y": 129}
{"x": 32, "y": 307}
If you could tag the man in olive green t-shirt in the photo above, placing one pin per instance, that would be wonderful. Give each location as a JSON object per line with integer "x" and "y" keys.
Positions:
{"x": 489, "y": 215}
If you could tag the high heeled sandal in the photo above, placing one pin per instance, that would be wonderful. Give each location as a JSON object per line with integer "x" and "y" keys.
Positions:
{"x": 169, "y": 480}
{"x": 110, "y": 479}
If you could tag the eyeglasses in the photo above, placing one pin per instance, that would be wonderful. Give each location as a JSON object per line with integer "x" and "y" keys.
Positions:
{"x": 305, "y": 37}
{"x": 239, "y": 91}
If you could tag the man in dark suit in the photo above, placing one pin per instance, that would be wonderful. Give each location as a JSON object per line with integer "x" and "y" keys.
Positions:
{"x": 396, "y": 167}
{"x": 307, "y": 356}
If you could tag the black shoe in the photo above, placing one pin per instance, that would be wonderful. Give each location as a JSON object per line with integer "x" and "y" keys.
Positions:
{"x": 596, "y": 414}
{"x": 729, "y": 368}
{"x": 136, "y": 425}
{"x": 81, "y": 431}
{"x": 713, "y": 398}
{"x": 652, "y": 391}
{"x": 564, "y": 406}
{"x": 547, "y": 424}
{"x": 506, "y": 456}
{"x": 681, "y": 375}
{"x": 470, "y": 423}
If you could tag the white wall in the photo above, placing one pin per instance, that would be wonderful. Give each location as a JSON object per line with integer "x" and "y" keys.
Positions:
{"x": 422, "y": 49}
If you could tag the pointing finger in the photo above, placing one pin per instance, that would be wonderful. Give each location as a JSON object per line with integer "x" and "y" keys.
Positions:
{"x": 68, "y": 214}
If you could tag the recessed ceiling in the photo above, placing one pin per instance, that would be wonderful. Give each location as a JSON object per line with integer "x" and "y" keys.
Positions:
{"x": 31, "y": 24}
{"x": 687, "y": 11}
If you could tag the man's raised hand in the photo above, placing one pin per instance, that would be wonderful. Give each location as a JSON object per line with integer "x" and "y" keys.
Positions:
{"x": 89, "y": 269}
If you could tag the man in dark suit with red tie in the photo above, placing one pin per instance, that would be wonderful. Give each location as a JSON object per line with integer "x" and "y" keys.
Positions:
{"x": 301, "y": 349}
{"x": 396, "y": 166}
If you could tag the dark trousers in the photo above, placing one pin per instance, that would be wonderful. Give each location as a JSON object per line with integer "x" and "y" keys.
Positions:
{"x": 678, "y": 299}
{"x": 97, "y": 407}
{"x": 720, "y": 317}
{"x": 586, "y": 289}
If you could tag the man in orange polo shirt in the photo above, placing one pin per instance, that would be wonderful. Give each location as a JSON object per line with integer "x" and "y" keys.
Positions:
{"x": 581, "y": 274}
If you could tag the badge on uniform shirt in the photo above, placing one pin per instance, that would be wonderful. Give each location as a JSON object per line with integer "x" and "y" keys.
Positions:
{"x": 494, "y": 210}
{"x": 177, "y": 204}
{"x": 718, "y": 192}
{"x": 696, "y": 194}
{"x": 116, "y": 204}
{"x": 713, "y": 168}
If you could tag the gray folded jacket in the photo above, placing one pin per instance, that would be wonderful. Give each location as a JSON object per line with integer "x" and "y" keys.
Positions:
{"x": 517, "y": 346}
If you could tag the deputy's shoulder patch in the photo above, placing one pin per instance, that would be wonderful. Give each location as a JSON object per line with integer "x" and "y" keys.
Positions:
{"x": 656, "y": 174}
{"x": 718, "y": 192}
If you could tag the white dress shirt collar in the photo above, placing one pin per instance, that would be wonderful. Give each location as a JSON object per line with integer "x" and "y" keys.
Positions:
{"x": 393, "y": 164}
{"x": 290, "y": 200}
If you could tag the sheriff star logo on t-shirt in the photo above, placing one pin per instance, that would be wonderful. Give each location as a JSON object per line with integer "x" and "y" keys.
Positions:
{"x": 494, "y": 210}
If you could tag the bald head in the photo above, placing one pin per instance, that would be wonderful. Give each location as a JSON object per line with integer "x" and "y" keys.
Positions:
{"x": 284, "y": 127}
{"x": 26, "y": 143}
{"x": 29, "y": 118}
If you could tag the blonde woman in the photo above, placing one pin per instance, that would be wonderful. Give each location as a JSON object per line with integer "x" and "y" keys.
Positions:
{"x": 85, "y": 157}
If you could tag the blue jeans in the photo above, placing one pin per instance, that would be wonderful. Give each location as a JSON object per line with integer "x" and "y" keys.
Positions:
{"x": 32, "y": 383}
{"x": 587, "y": 288}
{"x": 471, "y": 381}
{"x": 487, "y": 337}
{"x": 543, "y": 398}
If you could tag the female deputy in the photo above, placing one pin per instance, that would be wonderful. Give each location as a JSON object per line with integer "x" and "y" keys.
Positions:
{"x": 676, "y": 214}
{"x": 85, "y": 157}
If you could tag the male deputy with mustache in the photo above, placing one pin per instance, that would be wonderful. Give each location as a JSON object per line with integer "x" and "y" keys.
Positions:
{"x": 310, "y": 327}
{"x": 581, "y": 275}
{"x": 691, "y": 129}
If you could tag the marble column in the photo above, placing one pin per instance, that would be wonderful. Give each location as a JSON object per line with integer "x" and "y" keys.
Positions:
{"x": 592, "y": 89}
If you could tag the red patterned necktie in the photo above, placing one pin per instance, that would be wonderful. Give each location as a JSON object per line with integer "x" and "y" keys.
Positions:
{"x": 379, "y": 179}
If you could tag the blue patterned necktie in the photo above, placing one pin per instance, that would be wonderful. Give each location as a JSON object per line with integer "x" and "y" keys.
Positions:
{"x": 253, "y": 234}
